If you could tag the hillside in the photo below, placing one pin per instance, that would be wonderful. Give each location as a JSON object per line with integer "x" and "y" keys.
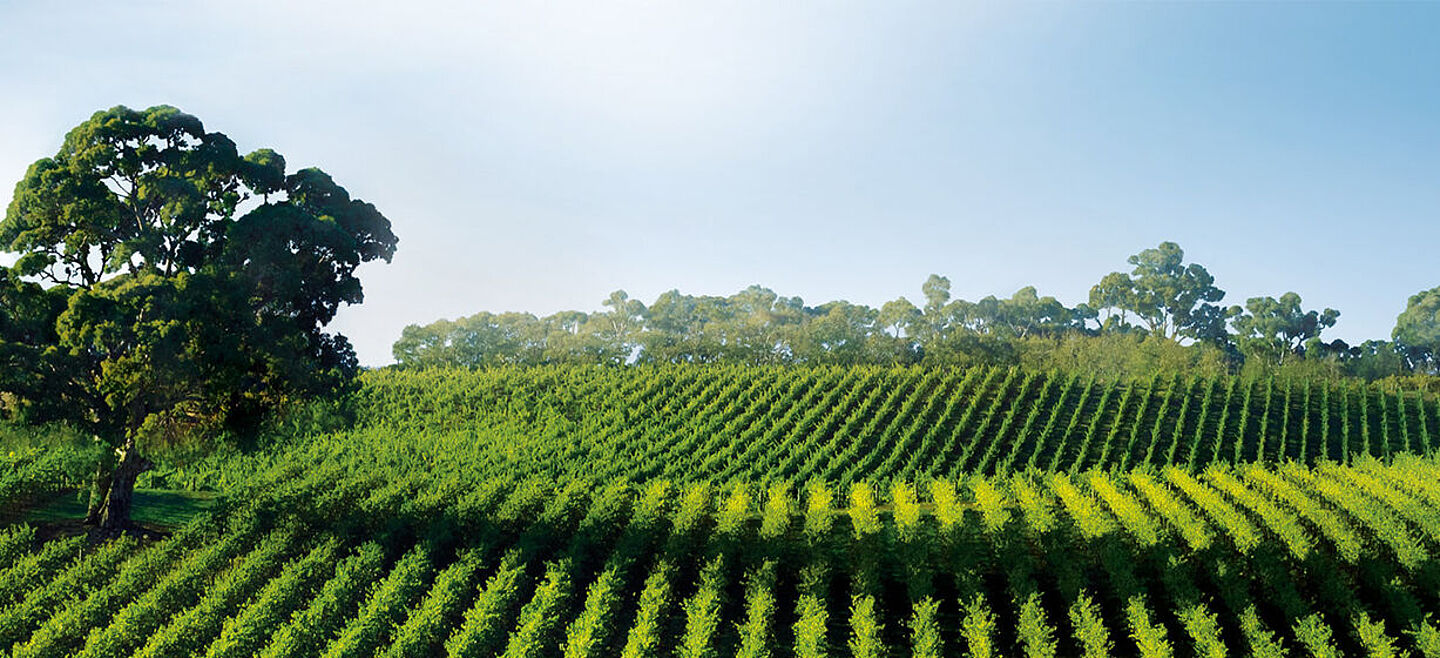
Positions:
{"x": 343, "y": 551}
{"x": 877, "y": 423}
{"x": 735, "y": 511}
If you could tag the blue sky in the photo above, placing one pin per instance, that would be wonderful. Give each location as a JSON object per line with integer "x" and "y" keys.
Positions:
{"x": 537, "y": 157}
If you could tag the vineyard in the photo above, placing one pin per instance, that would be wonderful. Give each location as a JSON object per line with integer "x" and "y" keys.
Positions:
{"x": 843, "y": 425}
{"x": 1325, "y": 561}
{"x": 733, "y": 511}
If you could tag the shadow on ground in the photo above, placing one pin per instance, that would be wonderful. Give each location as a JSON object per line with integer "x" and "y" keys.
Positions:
{"x": 157, "y": 511}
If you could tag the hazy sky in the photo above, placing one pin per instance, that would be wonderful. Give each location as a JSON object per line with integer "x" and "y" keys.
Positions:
{"x": 537, "y": 158}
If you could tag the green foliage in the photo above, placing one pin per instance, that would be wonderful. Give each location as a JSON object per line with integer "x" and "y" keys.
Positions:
{"x": 644, "y": 638}
{"x": 1204, "y": 630}
{"x": 1277, "y": 520}
{"x": 819, "y": 515}
{"x": 1427, "y": 638}
{"x": 181, "y": 587}
{"x": 537, "y": 620}
{"x": 1235, "y": 525}
{"x": 64, "y": 632}
{"x": 775, "y": 517}
{"x": 1170, "y": 298}
{"x": 65, "y": 589}
{"x": 245, "y": 633}
{"x": 810, "y": 627}
{"x": 673, "y": 560}
{"x": 948, "y": 513}
{"x": 1174, "y": 512}
{"x": 1037, "y": 637}
{"x": 1417, "y": 328}
{"x": 33, "y": 473}
{"x": 1270, "y": 329}
{"x": 864, "y": 518}
{"x": 1376, "y": 642}
{"x": 757, "y": 629}
{"x": 702, "y": 613}
{"x": 1089, "y": 517}
{"x": 383, "y": 610}
{"x": 1127, "y": 509}
{"x": 734, "y": 512}
{"x": 308, "y": 629}
{"x": 1122, "y": 356}
{"x": 1346, "y": 544}
{"x": 1034, "y": 505}
{"x": 587, "y": 635}
{"x": 977, "y": 628}
{"x": 424, "y": 628}
{"x": 1383, "y": 523}
{"x": 925, "y": 637}
{"x": 1149, "y": 637}
{"x": 865, "y": 641}
{"x": 1262, "y": 642}
{"x": 15, "y": 541}
{"x": 1090, "y": 630}
{"x": 994, "y": 508}
{"x": 906, "y": 511}
{"x": 190, "y": 632}
{"x": 482, "y": 630}
{"x": 1314, "y": 634}
{"x": 29, "y": 571}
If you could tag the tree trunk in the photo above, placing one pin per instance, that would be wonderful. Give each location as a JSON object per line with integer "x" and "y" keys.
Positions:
{"x": 99, "y": 489}
{"x": 115, "y": 513}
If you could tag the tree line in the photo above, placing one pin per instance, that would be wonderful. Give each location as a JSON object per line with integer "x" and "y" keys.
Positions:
{"x": 1162, "y": 313}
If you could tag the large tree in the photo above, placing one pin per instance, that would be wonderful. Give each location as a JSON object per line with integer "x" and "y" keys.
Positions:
{"x": 1417, "y": 329}
{"x": 936, "y": 320}
{"x": 170, "y": 290}
{"x": 621, "y": 326}
{"x": 1271, "y": 328}
{"x": 1171, "y": 299}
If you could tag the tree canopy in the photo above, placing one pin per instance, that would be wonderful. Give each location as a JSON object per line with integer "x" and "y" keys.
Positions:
{"x": 1170, "y": 298}
{"x": 168, "y": 287}
{"x": 1272, "y": 328}
{"x": 1417, "y": 329}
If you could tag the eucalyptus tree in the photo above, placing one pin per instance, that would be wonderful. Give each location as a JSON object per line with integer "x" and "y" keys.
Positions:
{"x": 1274, "y": 328}
{"x": 1170, "y": 298}
{"x": 1024, "y": 314}
{"x": 1417, "y": 329}
{"x": 837, "y": 332}
{"x": 169, "y": 289}
{"x": 937, "y": 312}
{"x": 622, "y": 325}
{"x": 899, "y": 318}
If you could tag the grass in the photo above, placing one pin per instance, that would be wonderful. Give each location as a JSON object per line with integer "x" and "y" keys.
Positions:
{"x": 160, "y": 508}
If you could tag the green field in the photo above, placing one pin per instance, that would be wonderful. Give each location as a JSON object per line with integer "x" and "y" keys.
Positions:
{"x": 155, "y": 508}
{"x": 718, "y": 511}
{"x": 841, "y": 425}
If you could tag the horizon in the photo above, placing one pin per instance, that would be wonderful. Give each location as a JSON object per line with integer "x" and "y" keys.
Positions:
{"x": 844, "y": 153}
